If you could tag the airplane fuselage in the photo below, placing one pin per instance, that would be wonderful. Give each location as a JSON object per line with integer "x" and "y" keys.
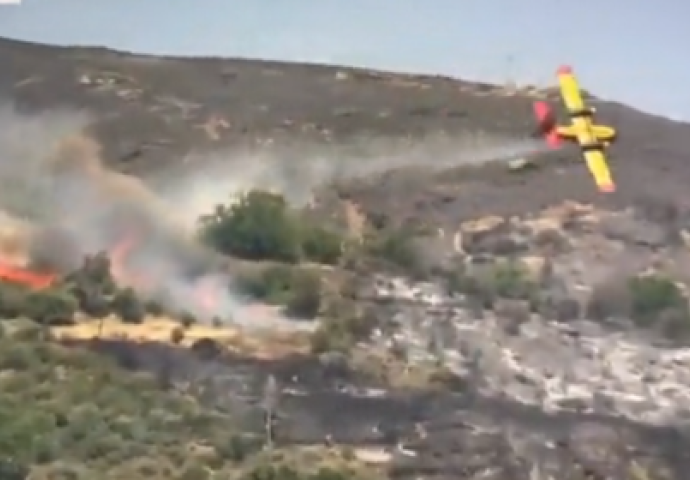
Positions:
{"x": 582, "y": 127}
{"x": 586, "y": 133}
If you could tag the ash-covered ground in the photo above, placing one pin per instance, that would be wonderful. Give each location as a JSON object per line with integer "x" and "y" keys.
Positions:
{"x": 551, "y": 393}
{"x": 554, "y": 393}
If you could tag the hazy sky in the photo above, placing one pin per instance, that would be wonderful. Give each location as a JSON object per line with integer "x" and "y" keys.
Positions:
{"x": 633, "y": 51}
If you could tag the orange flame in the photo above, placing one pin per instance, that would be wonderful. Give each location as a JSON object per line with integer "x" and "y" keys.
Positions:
{"x": 206, "y": 290}
{"x": 34, "y": 280}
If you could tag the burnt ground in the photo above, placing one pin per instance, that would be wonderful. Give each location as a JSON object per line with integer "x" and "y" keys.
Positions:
{"x": 152, "y": 111}
{"x": 456, "y": 434}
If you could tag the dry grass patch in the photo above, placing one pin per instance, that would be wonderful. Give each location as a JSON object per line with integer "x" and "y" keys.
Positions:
{"x": 260, "y": 343}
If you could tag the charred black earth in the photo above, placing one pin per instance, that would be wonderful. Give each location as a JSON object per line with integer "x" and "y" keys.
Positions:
{"x": 456, "y": 434}
{"x": 150, "y": 113}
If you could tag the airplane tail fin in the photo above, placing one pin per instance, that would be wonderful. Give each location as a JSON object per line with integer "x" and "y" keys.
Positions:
{"x": 546, "y": 122}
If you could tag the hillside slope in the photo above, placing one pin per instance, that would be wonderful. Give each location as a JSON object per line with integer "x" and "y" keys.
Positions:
{"x": 522, "y": 344}
{"x": 152, "y": 112}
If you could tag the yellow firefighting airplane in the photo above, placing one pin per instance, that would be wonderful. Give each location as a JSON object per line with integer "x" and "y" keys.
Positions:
{"x": 592, "y": 138}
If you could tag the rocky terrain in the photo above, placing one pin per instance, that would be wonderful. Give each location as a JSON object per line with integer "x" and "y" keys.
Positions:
{"x": 563, "y": 359}
{"x": 552, "y": 369}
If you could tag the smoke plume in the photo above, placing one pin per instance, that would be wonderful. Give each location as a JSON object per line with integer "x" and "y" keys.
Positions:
{"x": 296, "y": 171}
{"x": 53, "y": 179}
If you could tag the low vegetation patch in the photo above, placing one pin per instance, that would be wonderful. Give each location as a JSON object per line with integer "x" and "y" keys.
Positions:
{"x": 261, "y": 226}
{"x": 90, "y": 289}
{"x": 299, "y": 289}
{"x": 340, "y": 331}
{"x": 71, "y": 413}
{"x": 651, "y": 301}
{"x": 502, "y": 280}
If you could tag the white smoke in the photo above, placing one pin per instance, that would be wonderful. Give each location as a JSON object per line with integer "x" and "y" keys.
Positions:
{"x": 296, "y": 170}
{"x": 51, "y": 173}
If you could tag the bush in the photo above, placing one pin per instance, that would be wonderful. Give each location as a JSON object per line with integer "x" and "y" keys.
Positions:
{"x": 510, "y": 280}
{"x": 89, "y": 414}
{"x": 94, "y": 287}
{"x": 258, "y": 227}
{"x": 50, "y": 307}
{"x": 12, "y": 300}
{"x": 271, "y": 285}
{"x": 95, "y": 274}
{"x": 128, "y": 307}
{"x": 320, "y": 245}
{"x": 653, "y": 295}
{"x": 650, "y": 301}
{"x": 396, "y": 247}
{"x": 507, "y": 280}
{"x": 261, "y": 226}
{"x": 177, "y": 335}
{"x": 341, "y": 333}
{"x": 90, "y": 418}
{"x": 298, "y": 289}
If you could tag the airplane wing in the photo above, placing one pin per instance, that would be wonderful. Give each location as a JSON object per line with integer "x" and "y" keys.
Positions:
{"x": 599, "y": 168}
{"x": 570, "y": 89}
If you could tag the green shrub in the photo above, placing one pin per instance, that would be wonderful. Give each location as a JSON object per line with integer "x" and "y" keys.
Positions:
{"x": 503, "y": 280}
{"x": 261, "y": 226}
{"x": 653, "y": 295}
{"x": 299, "y": 290}
{"x": 12, "y": 300}
{"x": 50, "y": 307}
{"x": 396, "y": 247}
{"x": 320, "y": 245}
{"x": 127, "y": 305}
{"x": 652, "y": 301}
{"x": 340, "y": 332}
{"x": 511, "y": 280}
{"x": 258, "y": 227}
{"x": 271, "y": 285}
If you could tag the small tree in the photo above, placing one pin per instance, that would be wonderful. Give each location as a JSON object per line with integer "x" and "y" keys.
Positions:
{"x": 127, "y": 305}
{"x": 258, "y": 227}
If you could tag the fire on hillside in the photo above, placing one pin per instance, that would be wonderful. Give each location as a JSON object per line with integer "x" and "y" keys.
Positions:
{"x": 134, "y": 262}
